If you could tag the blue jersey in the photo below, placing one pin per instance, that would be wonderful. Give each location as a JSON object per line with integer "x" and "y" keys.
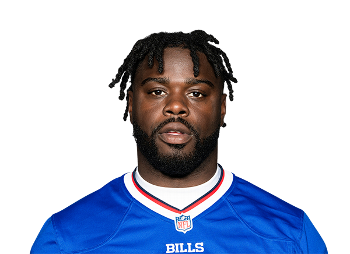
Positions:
{"x": 233, "y": 217}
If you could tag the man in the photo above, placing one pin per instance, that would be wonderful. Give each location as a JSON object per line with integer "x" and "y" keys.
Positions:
{"x": 178, "y": 199}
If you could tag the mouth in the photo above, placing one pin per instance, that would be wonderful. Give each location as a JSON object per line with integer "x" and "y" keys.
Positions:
{"x": 175, "y": 133}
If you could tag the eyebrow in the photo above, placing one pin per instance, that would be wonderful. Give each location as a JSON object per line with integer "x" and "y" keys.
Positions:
{"x": 194, "y": 81}
{"x": 189, "y": 81}
{"x": 158, "y": 80}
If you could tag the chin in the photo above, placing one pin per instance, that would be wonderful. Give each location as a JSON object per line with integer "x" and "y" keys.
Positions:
{"x": 175, "y": 160}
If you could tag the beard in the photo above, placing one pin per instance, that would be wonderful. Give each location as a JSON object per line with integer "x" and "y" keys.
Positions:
{"x": 178, "y": 164}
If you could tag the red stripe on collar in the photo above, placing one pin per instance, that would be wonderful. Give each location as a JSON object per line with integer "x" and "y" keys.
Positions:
{"x": 173, "y": 209}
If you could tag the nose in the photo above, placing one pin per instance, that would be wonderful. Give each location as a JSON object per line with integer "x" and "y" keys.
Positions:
{"x": 176, "y": 105}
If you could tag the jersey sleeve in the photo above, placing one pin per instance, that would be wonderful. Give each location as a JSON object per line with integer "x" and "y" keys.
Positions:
{"x": 311, "y": 241}
{"x": 46, "y": 240}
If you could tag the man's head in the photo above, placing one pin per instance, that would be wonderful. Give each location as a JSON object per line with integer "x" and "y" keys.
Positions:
{"x": 176, "y": 101}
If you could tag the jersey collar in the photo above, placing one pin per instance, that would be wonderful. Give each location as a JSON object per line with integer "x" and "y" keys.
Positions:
{"x": 166, "y": 210}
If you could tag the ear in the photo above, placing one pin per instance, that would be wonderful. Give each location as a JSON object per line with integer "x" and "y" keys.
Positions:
{"x": 223, "y": 108}
{"x": 130, "y": 97}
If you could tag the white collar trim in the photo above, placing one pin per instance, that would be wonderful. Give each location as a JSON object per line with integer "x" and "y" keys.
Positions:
{"x": 170, "y": 212}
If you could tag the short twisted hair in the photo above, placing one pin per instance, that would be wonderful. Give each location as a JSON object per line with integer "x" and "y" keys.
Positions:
{"x": 154, "y": 45}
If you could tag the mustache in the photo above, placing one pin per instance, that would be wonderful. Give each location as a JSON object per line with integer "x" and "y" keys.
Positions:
{"x": 173, "y": 119}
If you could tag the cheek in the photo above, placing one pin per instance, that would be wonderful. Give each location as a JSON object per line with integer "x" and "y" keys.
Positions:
{"x": 206, "y": 122}
{"x": 146, "y": 114}
{"x": 207, "y": 111}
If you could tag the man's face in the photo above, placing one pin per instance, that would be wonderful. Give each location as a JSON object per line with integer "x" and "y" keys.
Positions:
{"x": 177, "y": 116}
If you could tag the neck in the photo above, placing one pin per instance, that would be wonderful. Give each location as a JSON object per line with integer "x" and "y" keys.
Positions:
{"x": 203, "y": 173}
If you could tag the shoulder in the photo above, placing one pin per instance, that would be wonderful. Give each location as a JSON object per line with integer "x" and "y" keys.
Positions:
{"x": 86, "y": 219}
{"x": 264, "y": 213}
{"x": 46, "y": 240}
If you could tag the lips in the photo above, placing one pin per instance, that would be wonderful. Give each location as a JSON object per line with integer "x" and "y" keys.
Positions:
{"x": 175, "y": 133}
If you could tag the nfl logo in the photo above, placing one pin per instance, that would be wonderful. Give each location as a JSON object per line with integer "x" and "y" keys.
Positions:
{"x": 183, "y": 223}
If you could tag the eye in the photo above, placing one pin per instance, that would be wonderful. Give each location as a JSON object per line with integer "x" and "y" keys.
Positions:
{"x": 157, "y": 92}
{"x": 196, "y": 94}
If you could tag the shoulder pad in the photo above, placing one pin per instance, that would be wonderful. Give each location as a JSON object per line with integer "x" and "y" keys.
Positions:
{"x": 265, "y": 214}
{"x": 92, "y": 220}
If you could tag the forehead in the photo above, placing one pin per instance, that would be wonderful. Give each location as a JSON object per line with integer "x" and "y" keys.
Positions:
{"x": 177, "y": 64}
